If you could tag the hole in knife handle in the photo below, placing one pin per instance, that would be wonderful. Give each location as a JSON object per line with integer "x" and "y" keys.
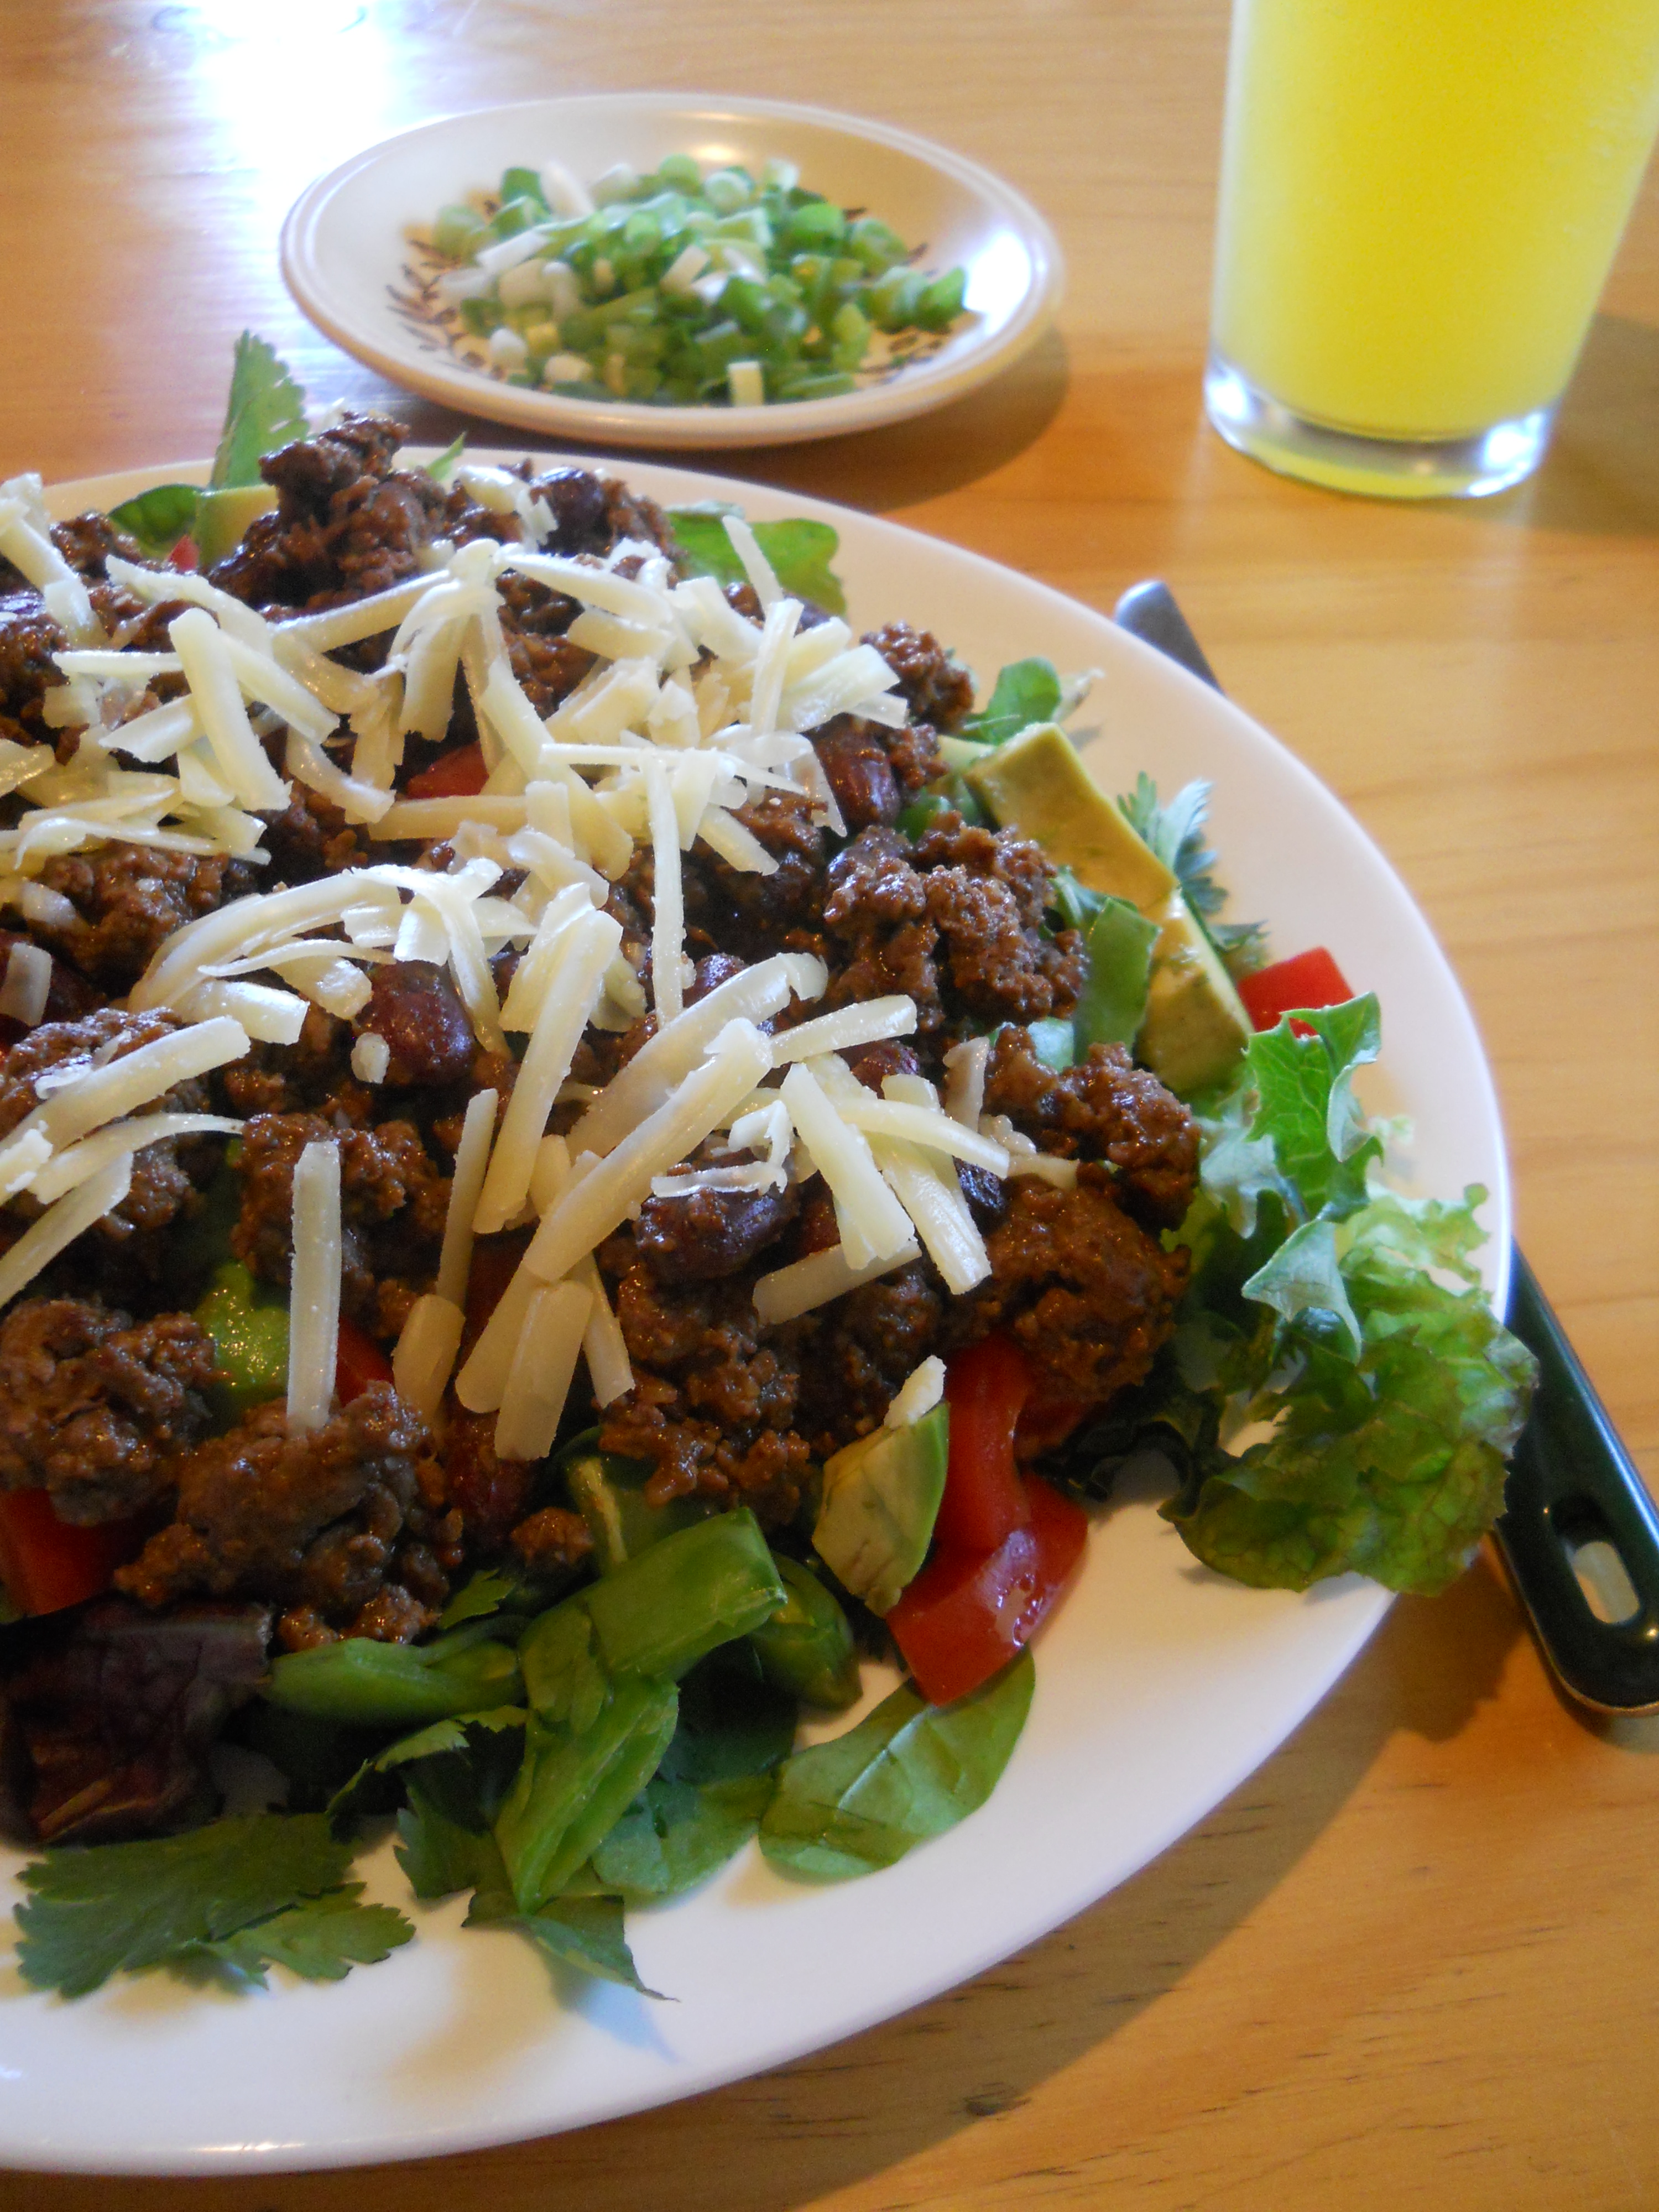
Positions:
{"x": 1599, "y": 1569}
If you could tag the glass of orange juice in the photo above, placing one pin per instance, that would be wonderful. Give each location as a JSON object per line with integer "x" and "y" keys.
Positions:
{"x": 1419, "y": 203}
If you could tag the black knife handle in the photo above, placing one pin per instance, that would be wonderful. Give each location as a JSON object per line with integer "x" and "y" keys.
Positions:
{"x": 1571, "y": 1483}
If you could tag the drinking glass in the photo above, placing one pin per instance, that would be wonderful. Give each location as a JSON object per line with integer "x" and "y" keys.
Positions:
{"x": 1419, "y": 203}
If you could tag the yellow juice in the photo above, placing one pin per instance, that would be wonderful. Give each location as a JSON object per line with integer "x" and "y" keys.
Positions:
{"x": 1421, "y": 199}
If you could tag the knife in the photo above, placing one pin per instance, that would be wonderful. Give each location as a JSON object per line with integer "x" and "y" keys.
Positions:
{"x": 1578, "y": 1534}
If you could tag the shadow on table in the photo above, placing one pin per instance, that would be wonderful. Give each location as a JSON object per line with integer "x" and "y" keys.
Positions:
{"x": 1602, "y": 472}
{"x": 884, "y": 2097}
{"x": 877, "y": 469}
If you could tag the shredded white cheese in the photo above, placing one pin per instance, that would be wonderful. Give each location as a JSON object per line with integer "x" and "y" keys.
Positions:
{"x": 314, "y": 1299}
{"x": 918, "y": 1394}
{"x": 603, "y": 1348}
{"x": 814, "y": 1281}
{"x": 95, "y": 1153}
{"x": 870, "y": 1022}
{"x": 590, "y": 1210}
{"x": 471, "y": 1159}
{"x": 115, "y": 1089}
{"x": 543, "y": 1364}
{"x": 873, "y": 1224}
{"x": 60, "y": 1224}
{"x": 204, "y": 654}
{"x": 371, "y": 1056}
{"x": 583, "y": 951}
{"x": 650, "y": 1079}
{"x": 964, "y": 1080}
{"x": 425, "y": 1351}
{"x": 27, "y": 982}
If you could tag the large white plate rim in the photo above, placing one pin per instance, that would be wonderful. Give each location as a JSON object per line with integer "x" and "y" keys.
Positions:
{"x": 369, "y": 331}
{"x": 332, "y": 2075}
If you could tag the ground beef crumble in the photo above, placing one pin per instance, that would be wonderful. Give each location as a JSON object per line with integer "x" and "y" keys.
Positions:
{"x": 392, "y": 1204}
{"x": 127, "y": 900}
{"x": 96, "y": 1409}
{"x": 1104, "y": 1108}
{"x": 163, "y": 1187}
{"x": 343, "y": 1527}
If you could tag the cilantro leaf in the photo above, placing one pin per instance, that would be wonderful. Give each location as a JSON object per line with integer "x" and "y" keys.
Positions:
{"x": 799, "y": 549}
{"x": 1176, "y": 834}
{"x": 441, "y": 1855}
{"x": 1026, "y": 691}
{"x": 321, "y": 1938}
{"x": 121, "y": 1907}
{"x": 266, "y": 409}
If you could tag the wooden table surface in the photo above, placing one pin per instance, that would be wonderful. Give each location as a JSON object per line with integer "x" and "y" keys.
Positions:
{"x": 1413, "y": 1961}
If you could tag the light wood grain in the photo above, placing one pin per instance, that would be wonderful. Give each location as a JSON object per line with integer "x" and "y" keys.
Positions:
{"x": 1413, "y": 1961}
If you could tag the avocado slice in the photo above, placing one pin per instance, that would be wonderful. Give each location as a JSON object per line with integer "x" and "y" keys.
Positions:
{"x": 881, "y": 1496}
{"x": 1035, "y": 784}
{"x": 609, "y": 1493}
{"x": 222, "y": 516}
{"x": 1195, "y": 1026}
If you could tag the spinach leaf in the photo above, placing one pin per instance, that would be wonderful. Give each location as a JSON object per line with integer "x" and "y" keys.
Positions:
{"x": 441, "y": 1855}
{"x": 706, "y": 1800}
{"x": 907, "y": 1772}
{"x": 575, "y": 1784}
{"x": 799, "y": 550}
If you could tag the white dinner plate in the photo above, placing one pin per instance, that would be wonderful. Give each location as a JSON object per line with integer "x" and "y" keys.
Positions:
{"x": 349, "y": 261}
{"x": 1160, "y": 1686}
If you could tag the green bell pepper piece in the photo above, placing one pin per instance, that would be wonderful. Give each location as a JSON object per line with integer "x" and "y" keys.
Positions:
{"x": 247, "y": 1321}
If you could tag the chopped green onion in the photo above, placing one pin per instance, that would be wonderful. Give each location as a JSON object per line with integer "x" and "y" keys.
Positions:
{"x": 675, "y": 288}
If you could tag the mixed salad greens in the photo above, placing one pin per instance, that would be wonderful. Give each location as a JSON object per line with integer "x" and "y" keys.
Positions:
{"x": 681, "y": 288}
{"x": 562, "y": 1753}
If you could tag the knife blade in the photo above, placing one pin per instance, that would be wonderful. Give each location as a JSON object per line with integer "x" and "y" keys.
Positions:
{"x": 1578, "y": 1535}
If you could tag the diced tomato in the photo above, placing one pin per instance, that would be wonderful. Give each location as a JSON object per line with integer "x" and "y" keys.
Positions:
{"x": 46, "y": 1563}
{"x": 459, "y": 774}
{"x": 960, "y": 1619}
{"x": 358, "y": 1361}
{"x": 964, "y": 1616}
{"x": 1045, "y": 1422}
{"x": 184, "y": 555}
{"x": 1061, "y": 1529}
{"x": 985, "y": 1387}
{"x": 1309, "y": 979}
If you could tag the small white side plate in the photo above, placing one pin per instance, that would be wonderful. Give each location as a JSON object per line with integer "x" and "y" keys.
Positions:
{"x": 347, "y": 259}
